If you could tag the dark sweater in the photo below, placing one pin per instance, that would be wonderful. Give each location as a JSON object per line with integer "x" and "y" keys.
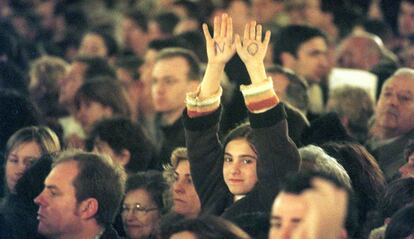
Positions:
{"x": 277, "y": 157}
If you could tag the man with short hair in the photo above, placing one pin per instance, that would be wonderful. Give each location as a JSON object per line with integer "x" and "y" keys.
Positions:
{"x": 81, "y": 197}
{"x": 304, "y": 50}
{"x": 304, "y": 203}
{"x": 394, "y": 124}
{"x": 176, "y": 71}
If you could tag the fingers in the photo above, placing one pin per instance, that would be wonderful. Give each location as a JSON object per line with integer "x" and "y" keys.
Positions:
{"x": 238, "y": 43}
{"x": 267, "y": 38}
{"x": 216, "y": 26}
{"x": 206, "y": 32}
{"x": 259, "y": 33}
{"x": 252, "y": 30}
{"x": 223, "y": 25}
{"x": 230, "y": 28}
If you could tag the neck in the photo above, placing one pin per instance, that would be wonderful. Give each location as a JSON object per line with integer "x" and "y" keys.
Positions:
{"x": 238, "y": 197}
{"x": 88, "y": 232}
{"x": 168, "y": 118}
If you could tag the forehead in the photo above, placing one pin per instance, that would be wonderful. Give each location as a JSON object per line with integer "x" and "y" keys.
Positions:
{"x": 138, "y": 196}
{"x": 93, "y": 37}
{"x": 25, "y": 146}
{"x": 171, "y": 66}
{"x": 401, "y": 83}
{"x": 288, "y": 204}
{"x": 316, "y": 43}
{"x": 183, "y": 167}
{"x": 407, "y": 6}
{"x": 239, "y": 146}
{"x": 63, "y": 175}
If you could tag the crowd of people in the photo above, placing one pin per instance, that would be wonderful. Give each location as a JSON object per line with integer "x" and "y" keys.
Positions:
{"x": 207, "y": 119}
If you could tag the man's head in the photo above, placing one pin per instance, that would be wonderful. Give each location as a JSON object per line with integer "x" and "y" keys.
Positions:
{"x": 176, "y": 72}
{"x": 359, "y": 51}
{"x": 302, "y": 49}
{"x": 290, "y": 87}
{"x": 290, "y": 206}
{"x": 81, "y": 70}
{"x": 394, "y": 112}
{"x": 406, "y": 18}
{"x": 135, "y": 32}
{"x": 354, "y": 107}
{"x": 82, "y": 191}
{"x": 407, "y": 170}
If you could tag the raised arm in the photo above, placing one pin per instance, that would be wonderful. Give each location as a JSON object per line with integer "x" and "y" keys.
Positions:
{"x": 202, "y": 118}
{"x": 252, "y": 51}
{"x": 220, "y": 49}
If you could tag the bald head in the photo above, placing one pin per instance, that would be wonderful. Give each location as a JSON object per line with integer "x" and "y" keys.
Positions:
{"x": 361, "y": 51}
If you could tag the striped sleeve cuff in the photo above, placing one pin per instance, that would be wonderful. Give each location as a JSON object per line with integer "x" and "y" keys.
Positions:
{"x": 259, "y": 97}
{"x": 197, "y": 106}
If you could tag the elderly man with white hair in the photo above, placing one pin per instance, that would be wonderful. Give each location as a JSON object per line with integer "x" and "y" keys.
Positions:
{"x": 394, "y": 121}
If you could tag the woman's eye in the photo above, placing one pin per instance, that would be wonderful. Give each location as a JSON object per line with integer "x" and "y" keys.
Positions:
{"x": 247, "y": 161}
{"x": 228, "y": 159}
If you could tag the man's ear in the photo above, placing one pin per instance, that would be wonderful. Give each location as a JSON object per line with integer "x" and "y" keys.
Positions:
{"x": 88, "y": 208}
{"x": 124, "y": 157}
{"x": 288, "y": 60}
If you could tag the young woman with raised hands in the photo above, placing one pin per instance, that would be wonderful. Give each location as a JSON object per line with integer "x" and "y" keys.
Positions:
{"x": 239, "y": 176}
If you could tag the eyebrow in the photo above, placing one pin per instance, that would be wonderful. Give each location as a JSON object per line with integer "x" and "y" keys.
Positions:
{"x": 242, "y": 156}
{"x": 185, "y": 175}
{"x": 52, "y": 187}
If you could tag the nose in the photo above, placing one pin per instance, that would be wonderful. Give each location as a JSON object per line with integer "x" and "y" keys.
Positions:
{"x": 39, "y": 200}
{"x": 178, "y": 187}
{"x": 159, "y": 88}
{"x": 285, "y": 233}
{"x": 130, "y": 215}
{"x": 235, "y": 168}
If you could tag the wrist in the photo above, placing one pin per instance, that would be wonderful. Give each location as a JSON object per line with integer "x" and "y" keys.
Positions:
{"x": 217, "y": 66}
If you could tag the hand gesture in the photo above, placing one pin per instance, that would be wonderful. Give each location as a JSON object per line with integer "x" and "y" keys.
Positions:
{"x": 252, "y": 50}
{"x": 220, "y": 47}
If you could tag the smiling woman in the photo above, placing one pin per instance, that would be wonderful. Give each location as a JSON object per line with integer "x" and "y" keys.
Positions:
{"x": 143, "y": 205}
{"x": 240, "y": 176}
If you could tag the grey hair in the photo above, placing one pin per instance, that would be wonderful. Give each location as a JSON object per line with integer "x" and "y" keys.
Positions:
{"x": 315, "y": 159}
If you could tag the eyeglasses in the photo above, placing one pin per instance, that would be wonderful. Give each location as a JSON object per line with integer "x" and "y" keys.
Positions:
{"x": 137, "y": 209}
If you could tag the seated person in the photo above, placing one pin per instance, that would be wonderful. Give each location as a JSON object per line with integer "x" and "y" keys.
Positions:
{"x": 184, "y": 196}
{"x": 306, "y": 202}
{"x": 98, "y": 99}
{"x": 25, "y": 147}
{"x": 225, "y": 176}
{"x": 143, "y": 205}
{"x": 125, "y": 142}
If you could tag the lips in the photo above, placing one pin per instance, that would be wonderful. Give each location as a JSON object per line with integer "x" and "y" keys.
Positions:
{"x": 178, "y": 200}
{"x": 235, "y": 180}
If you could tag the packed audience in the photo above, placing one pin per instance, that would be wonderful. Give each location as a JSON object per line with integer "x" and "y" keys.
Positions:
{"x": 168, "y": 119}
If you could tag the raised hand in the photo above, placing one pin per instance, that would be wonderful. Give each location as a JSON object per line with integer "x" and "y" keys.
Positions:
{"x": 252, "y": 48}
{"x": 220, "y": 47}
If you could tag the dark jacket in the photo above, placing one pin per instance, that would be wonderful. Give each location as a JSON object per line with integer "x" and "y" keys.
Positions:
{"x": 277, "y": 157}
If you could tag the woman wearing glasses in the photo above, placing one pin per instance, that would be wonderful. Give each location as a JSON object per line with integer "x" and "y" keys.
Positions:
{"x": 143, "y": 205}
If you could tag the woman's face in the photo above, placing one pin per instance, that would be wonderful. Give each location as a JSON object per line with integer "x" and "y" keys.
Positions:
{"x": 185, "y": 197}
{"x": 93, "y": 45}
{"x": 19, "y": 160}
{"x": 140, "y": 215}
{"x": 90, "y": 112}
{"x": 239, "y": 168}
